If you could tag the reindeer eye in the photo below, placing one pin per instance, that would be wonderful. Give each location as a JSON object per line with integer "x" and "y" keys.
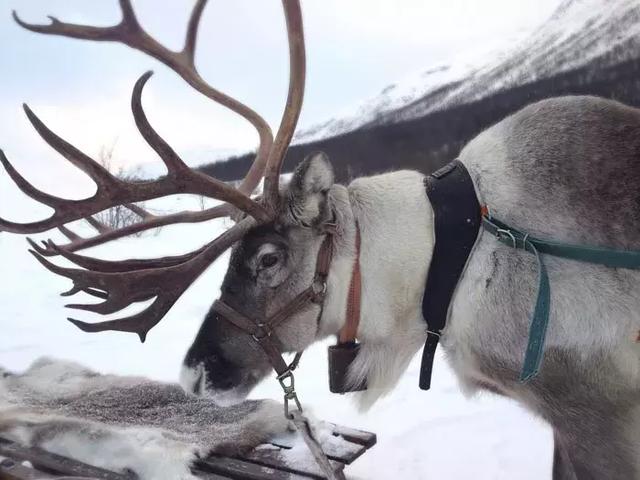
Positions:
{"x": 268, "y": 260}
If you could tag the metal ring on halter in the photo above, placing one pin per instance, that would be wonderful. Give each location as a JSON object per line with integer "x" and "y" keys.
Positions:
{"x": 319, "y": 287}
{"x": 500, "y": 232}
{"x": 283, "y": 377}
{"x": 264, "y": 329}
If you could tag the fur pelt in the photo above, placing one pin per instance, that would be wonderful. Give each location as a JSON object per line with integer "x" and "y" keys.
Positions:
{"x": 125, "y": 423}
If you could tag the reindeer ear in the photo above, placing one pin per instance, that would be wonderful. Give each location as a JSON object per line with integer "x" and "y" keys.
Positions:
{"x": 309, "y": 188}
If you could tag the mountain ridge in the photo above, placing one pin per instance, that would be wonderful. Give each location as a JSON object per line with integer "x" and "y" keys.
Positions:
{"x": 571, "y": 54}
{"x": 594, "y": 28}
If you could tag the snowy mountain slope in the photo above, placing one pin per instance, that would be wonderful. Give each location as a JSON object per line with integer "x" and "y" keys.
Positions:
{"x": 579, "y": 33}
{"x": 433, "y": 80}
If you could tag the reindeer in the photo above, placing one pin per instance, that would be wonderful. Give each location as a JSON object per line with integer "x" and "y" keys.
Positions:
{"x": 566, "y": 169}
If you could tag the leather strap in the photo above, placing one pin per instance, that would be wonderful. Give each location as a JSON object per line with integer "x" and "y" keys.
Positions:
{"x": 304, "y": 427}
{"x": 349, "y": 331}
{"x": 456, "y": 224}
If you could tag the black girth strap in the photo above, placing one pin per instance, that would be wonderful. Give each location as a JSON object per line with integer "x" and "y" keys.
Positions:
{"x": 456, "y": 224}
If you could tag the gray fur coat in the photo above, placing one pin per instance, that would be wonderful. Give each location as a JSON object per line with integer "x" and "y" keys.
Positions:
{"x": 125, "y": 423}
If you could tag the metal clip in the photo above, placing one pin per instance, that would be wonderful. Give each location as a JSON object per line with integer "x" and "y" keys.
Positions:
{"x": 291, "y": 396}
{"x": 289, "y": 392}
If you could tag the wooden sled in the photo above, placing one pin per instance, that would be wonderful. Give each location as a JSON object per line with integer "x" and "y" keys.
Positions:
{"x": 262, "y": 463}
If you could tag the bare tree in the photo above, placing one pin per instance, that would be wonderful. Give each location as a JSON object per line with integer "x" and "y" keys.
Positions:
{"x": 120, "y": 215}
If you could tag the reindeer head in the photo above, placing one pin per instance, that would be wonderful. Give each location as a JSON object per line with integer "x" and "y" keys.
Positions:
{"x": 276, "y": 238}
{"x": 269, "y": 267}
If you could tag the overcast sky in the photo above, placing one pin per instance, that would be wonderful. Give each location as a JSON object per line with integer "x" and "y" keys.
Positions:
{"x": 355, "y": 48}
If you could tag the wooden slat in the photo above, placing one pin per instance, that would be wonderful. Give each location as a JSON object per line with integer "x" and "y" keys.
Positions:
{"x": 345, "y": 446}
{"x": 56, "y": 463}
{"x": 242, "y": 470}
{"x": 276, "y": 458}
{"x": 209, "y": 475}
{"x": 366, "y": 439}
{"x": 339, "y": 449}
{"x": 342, "y": 451}
{"x": 12, "y": 470}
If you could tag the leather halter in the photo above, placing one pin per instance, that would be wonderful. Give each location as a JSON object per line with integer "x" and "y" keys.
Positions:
{"x": 262, "y": 331}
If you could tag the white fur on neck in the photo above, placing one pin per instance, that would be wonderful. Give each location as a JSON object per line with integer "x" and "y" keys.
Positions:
{"x": 396, "y": 225}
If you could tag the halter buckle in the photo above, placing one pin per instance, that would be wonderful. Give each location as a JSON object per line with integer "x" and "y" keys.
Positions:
{"x": 502, "y": 234}
{"x": 319, "y": 289}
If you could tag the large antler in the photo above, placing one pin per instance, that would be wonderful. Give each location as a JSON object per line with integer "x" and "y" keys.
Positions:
{"x": 122, "y": 283}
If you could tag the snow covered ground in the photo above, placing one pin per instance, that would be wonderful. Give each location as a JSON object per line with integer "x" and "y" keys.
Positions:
{"x": 422, "y": 435}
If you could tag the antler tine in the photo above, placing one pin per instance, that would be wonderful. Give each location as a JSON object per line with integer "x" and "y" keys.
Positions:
{"x": 98, "y": 225}
{"x": 151, "y": 222}
{"x": 97, "y": 172}
{"x": 141, "y": 212}
{"x": 109, "y": 266}
{"x": 297, "y": 69}
{"x": 189, "y": 50}
{"x": 119, "y": 284}
{"x": 56, "y": 27}
{"x": 112, "y": 191}
{"x": 26, "y": 187}
{"x": 132, "y": 281}
{"x": 130, "y": 33}
{"x": 170, "y": 158}
{"x": 70, "y": 234}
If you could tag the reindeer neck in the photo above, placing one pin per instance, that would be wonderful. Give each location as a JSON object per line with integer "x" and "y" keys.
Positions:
{"x": 395, "y": 221}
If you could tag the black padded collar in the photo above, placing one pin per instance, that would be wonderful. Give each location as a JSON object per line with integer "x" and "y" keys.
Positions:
{"x": 457, "y": 220}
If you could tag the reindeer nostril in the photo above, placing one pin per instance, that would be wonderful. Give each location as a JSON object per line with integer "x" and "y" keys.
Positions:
{"x": 225, "y": 384}
{"x": 220, "y": 374}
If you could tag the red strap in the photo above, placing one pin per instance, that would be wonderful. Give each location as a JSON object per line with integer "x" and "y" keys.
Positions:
{"x": 349, "y": 331}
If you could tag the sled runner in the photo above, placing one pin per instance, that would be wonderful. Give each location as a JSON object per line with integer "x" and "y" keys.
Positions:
{"x": 266, "y": 462}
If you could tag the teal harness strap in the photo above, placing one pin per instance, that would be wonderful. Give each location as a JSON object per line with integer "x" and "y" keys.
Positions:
{"x": 540, "y": 319}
